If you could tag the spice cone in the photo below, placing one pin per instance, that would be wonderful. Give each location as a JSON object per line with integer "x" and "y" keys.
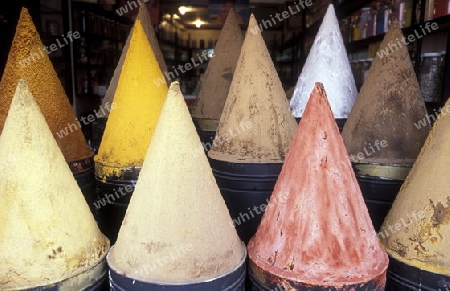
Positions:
{"x": 316, "y": 230}
{"x": 28, "y": 60}
{"x": 144, "y": 17}
{"x": 256, "y": 96}
{"x": 327, "y": 63}
{"x": 176, "y": 210}
{"x": 138, "y": 101}
{"x": 47, "y": 232}
{"x": 213, "y": 93}
{"x": 422, "y": 207}
{"x": 387, "y": 108}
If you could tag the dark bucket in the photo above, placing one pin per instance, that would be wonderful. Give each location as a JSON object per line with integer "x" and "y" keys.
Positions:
{"x": 97, "y": 134}
{"x": 113, "y": 197}
{"x": 94, "y": 279}
{"x": 207, "y": 138}
{"x": 261, "y": 280}
{"x": 83, "y": 172}
{"x": 232, "y": 281}
{"x": 402, "y": 277}
{"x": 379, "y": 185}
{"x": 339, "y": 121}
{"x": 206, "y": 129}
{"x": 246, "y": 189}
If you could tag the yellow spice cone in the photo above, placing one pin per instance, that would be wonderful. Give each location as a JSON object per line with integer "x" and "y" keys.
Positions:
{"x": 46, "y": 88}
{"x": 143, "y": 16}
{"x": 139, "y": 101}
{"x": 47, "y": 232}
{"x": 218, "y": 76}
{"x": 176, "y": 210}
{"x": 417, "y": 228}
{"x": 256, "y": 96}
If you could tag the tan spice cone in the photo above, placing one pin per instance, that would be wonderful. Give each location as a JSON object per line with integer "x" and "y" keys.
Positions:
{"x": 256, "y": 95}
{"x": 176, "y": 202}
{"x": 28, "y": 60}
{"x": 417, "y": 229}
{"x": 316, "y": 229}
{"x": 47, "y": 232}
{"x": 214, "y": 89}
{"x": 388, "y": 106}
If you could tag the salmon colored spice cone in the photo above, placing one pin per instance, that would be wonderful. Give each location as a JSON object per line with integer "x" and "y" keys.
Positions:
{"x": 176, "y": 211}
{"x": 422, "y": 207}
{"x": 219, "y": 74}
{"x": 138, "y": 103}
{"x": 47, "y": 232}
{"x": 316, "y": 229}
{"x": 45, "y": 86}
{"x": 387, "y": 108}
{"x": 144, "y": 17}
{"x": 256, "y": 97}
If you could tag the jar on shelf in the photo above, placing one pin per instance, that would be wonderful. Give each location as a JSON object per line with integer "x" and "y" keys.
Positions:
{"x": 345, "y": 30}
{"x": 356, "y": 29}
{"x": 383, "y": 18}
{"x": 367, "y": 23}
{"x": 398, "y": 11}
{"x": 429, "y": 9}
{"x": 418, "y": 9}
{"x": 442, "y": 8}
{"x": 52, "y": 27}
{"x": 372, "y": 22}
{"x": 431, "y": 76}
{"x": 408, "y": 12}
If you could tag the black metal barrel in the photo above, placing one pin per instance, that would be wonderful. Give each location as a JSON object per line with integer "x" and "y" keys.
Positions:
{"x": 83, "y": 172}
{"x": 379, "y": 185}
{"x": 113, "y": 196}
{"x": 206, "y": 130}
{"x": 246, "y": 189}
{"x": 232, "y": 281}
{"x": 93, "y": 279}
{"x": 403, "y": 277}
{"x": 262, "y": 280}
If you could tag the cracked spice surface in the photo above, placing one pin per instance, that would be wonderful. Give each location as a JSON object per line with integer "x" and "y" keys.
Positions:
{"x": 256, "y": 97}
{"x": 425, "y": 242}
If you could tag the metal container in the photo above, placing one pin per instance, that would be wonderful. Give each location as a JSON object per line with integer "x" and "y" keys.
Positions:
{"x": 234, "y": 280}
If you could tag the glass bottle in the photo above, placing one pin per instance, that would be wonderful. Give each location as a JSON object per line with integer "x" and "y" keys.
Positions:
{"x": 431, "y": 77}
{"x": 429, "y": 10}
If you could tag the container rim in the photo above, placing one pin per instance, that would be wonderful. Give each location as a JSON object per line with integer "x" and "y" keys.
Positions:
{"x": 171, "y": 284}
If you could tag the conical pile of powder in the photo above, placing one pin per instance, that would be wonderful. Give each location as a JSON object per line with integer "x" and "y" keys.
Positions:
{"x": 47, "y": 232}
{"x": 176, "y": 214}
{"x": 28, "y": 60}
{"x": 388, "y": 108}
{"x": 316, "y": 230}
{"x": 139, "y": 101}
{"x": 327, "y": 63}
{"x": 144, "y": 17}
{"x": 422, "y": 207}
{"x": 257, "y": 99}
{"x": 218, "y": 76}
